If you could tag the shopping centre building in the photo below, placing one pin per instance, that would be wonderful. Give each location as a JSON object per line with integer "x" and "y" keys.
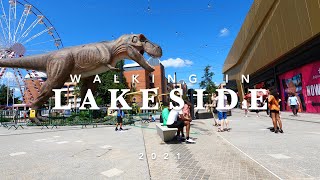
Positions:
{"x": 278, "y": 45}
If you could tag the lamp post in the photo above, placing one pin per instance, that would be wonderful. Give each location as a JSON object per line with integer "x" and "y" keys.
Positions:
{"x": 7, "y": 93}
{"x": 121, "y": 72}
{"x": 13, "y": 97}
{"x": 175, "y": 80}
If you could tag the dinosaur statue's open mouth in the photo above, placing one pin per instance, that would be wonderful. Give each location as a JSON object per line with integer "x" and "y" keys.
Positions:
{"x": 152, "y": 49}
{"x": 142, "y": 53}
{"x": 136, "y": 53}
{"x": 145, "y": 64}
{"x": 139, "y": 58}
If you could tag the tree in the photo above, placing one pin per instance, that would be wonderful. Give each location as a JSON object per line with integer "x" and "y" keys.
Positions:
{"x": 107, "y": 82}
{"x": 3, "y": 95}
{"x": 206, "y": 82}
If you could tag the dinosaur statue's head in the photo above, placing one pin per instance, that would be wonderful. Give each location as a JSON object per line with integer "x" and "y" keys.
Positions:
{"x": 136, "y": 45}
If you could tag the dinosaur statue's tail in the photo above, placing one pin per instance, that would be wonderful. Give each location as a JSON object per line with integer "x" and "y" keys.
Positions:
{"x": 37, "y": 62}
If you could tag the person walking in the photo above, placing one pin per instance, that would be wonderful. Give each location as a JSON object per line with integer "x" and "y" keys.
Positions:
{"x": 274, "y": 107}
{"x": 213, "y": 108}
{"x": 244, "y": 106}
{"x": 294, "y": 104}
{"x": 266, "y": 102}
{"x": 259, "y": 104}
{"x": 222, "y": 115}
{"x": 120, "y": 115}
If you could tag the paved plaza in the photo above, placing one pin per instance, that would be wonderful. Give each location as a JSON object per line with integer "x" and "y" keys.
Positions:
{"x": 249, "y": 151}
{"x": 72, "y": 153}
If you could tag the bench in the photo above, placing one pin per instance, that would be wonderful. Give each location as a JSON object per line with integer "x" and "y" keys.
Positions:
{"x": 166, "y": 134}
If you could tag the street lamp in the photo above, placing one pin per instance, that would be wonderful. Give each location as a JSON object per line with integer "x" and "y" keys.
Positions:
{"x": 175, "y": 80}
{"x": 8, "y": 93}
{"x": 13, "y": 90}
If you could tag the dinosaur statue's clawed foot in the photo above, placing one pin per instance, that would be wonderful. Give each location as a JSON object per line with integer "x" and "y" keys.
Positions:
{"x": 35, "y": 120}
{"x": 42, "y": 119}
{"x": 38, "y": 119}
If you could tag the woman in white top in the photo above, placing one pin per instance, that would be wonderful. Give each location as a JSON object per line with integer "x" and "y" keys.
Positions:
{"x": 245, "y": 107}
{"x": 213, "y": 107}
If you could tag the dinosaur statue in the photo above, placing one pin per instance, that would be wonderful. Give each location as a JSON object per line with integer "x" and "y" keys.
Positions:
{"x": 87, "y": 60}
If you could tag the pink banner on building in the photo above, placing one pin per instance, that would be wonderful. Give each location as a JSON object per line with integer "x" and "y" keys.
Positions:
{"x": 305, "y": 82}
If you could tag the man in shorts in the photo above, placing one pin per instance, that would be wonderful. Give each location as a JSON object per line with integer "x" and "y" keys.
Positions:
{"x": 222, "y": 115}
{"x": 120, "y": 115}
{"x": 294, "y": 103}
{"x": 177, "y": 120}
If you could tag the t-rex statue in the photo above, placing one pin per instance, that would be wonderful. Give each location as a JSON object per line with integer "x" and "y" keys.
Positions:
{"x": 87, "y": 60}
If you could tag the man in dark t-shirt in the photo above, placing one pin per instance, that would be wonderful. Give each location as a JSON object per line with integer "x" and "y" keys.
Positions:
{"x": 120, "y": 115}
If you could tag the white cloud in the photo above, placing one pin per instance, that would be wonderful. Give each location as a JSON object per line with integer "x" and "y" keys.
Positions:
{"x": 177, "y": 62}
{"x": 17, "y": 90}
{"x": 9, "y": 77}
{"x": 224, "y": 32}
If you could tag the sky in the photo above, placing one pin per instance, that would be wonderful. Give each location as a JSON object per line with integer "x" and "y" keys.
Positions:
{"x": 192, "y": 33}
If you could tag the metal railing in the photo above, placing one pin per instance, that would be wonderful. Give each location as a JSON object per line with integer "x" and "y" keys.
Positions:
{"x": 55, "y": 118}
{"x": 13, "y": 118}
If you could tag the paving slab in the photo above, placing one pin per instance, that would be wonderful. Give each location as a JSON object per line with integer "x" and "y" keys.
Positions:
{"x": 291, "y": 155}
{"x": 209, "y": 158}
{"x": 249, "y": 151}
{"x": 70, "y": 153}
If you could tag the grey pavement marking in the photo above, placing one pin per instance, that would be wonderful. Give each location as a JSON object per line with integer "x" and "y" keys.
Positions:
{"x": 46, "y": 140}
{"x": 109, "y": 148}
{"x": 103, "y": 153}
{"x": 112, "y": 172}
{"x": 314, "y": 133}
{"x": 35, "y": 130}
{"x": 122, "y": 131}
{"x": 295, "y": 142}
{"x": 248, "y": 156}
{"x": 17, "y": 153}
{"x": 62, "y": 142}
{"x": 75, "y": 154}
{"x": 209, "y": 158}
{"x": 106, "y": 147}
{"x": 76, "y": 161}
{"x": 279, "y": 156}
{"x": 50, "y": 140}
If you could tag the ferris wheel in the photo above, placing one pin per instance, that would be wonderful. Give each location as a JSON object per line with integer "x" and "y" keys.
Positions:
{"x": 24, "y": 31}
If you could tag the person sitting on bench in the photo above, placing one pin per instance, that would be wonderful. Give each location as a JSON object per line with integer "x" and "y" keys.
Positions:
{"x": 176, "y": 119}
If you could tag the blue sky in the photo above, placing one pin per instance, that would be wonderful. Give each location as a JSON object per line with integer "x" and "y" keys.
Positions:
{"x": 192, "y": 33}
